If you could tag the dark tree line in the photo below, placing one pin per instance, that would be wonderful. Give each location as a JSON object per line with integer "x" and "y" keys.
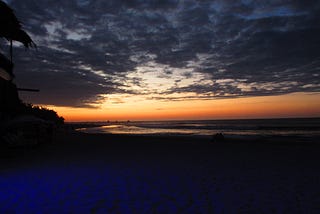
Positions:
{"x": 43, "y": 113}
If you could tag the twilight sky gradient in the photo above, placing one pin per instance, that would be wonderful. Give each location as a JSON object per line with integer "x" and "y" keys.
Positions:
{"x": 130, "y": 58}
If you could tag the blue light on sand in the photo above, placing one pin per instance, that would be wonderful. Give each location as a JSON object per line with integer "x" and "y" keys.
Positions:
{"x": 109, "y": 189}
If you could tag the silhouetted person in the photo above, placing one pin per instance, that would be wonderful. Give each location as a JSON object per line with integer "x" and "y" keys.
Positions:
{"x": 217, "y": 138}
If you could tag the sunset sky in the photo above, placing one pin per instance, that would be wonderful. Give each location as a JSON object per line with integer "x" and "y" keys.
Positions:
{"x": 171, "y": 59}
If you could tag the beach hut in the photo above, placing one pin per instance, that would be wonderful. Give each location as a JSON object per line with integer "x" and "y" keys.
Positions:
{"x": 21, "y": 129}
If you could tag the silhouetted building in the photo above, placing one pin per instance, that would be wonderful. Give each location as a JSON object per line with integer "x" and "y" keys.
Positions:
{"x": 10, "y": 29}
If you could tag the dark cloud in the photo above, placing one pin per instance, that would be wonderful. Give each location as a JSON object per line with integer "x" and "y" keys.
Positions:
{"x": 87, "y": 49}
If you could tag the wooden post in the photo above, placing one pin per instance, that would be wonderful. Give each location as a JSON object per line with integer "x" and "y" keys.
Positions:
{"x": 11, "y": 51}
{"x": 28, "y": 89}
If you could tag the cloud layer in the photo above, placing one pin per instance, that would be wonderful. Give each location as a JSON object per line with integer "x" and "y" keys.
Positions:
{"x": 168, "y": 49}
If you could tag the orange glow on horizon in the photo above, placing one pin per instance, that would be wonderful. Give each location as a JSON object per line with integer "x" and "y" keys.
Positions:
{"x": 291, "y": 105}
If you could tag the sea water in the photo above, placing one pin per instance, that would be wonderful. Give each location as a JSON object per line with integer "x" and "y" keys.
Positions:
{"x": 243, "y": 127}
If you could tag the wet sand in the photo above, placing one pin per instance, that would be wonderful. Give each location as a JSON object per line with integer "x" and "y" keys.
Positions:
{"x": 97, "y": 173}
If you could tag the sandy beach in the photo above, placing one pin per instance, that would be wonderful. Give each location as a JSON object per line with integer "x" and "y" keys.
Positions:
{"x": 149, "y": 106}
{"x": 100, "y": 173}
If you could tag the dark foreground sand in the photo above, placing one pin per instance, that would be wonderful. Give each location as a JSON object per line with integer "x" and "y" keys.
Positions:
{"x": 96, "y": 173}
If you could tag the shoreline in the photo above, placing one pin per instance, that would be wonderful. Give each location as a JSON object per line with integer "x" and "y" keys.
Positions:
{"x": 238, "y": 129}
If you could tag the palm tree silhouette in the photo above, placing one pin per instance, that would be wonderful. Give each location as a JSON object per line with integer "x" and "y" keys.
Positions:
{"x": 11, "y": 28}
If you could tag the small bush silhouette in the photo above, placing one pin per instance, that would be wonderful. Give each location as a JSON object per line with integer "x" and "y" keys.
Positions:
{"x": 42, "y": 112}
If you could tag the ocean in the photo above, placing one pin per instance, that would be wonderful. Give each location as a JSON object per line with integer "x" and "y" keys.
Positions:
{"x": 245, "y": 127}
